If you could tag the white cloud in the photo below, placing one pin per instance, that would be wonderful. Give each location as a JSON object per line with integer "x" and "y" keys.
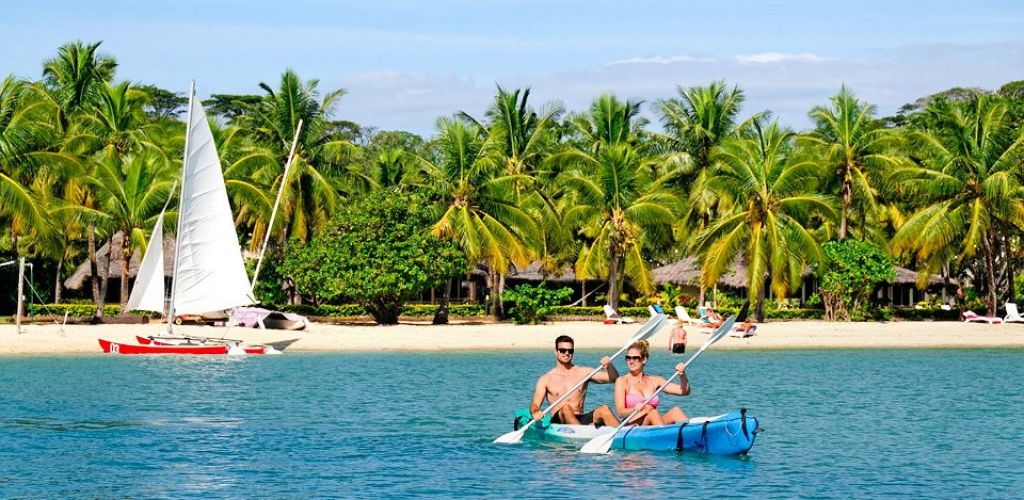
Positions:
{"x": 776, "y": 57}
{"x": 659, "y": 60}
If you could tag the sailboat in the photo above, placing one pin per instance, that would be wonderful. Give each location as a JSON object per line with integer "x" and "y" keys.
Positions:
{"x": 209, "y": 273}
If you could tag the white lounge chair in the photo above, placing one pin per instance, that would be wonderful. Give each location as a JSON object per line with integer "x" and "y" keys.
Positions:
{"x": 653, "y": 311}
{"x": 972, "y": 317}
{"x": 1012, "y": 314}
{"x": 742, "y": 334}
{"x": 616, "y": 317}
{"x": 685, "y": 316}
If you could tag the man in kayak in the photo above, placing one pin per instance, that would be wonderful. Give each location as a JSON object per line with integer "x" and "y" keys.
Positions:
{"x": 561, "y": 378}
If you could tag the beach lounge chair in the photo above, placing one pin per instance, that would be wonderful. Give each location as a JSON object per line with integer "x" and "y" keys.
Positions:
{"x": 685, "y": 316}
{"x": 743, "y": 331}
{"x": 972, "y": 317}
{"x": 615, "y": 317}
{"x": 1012, "y": 314}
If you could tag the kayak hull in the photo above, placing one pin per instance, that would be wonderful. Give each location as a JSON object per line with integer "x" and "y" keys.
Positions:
{"x": 730, "y": 434}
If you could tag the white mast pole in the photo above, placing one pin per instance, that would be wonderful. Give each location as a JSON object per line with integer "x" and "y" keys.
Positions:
{"x": 181, "y": 197}
{"x": 21, "y": 293}
{"x": 273, "y": 212}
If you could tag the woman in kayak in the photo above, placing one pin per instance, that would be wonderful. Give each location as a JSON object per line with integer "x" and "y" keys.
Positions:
{"x": 633, "y": 388}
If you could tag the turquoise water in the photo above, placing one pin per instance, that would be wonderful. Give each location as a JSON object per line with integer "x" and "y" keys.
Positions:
{"x": 839, "y": 424}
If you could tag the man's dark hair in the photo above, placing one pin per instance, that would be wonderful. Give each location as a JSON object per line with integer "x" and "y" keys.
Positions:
{"x": 564, "y": 338}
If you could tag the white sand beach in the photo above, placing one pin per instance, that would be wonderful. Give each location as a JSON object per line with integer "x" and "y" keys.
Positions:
{"x": 81, "y": 339}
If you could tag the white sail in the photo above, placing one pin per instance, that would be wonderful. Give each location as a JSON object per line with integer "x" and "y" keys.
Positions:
{"x": 148, "y": 291}
{"x": 209, "y": 275}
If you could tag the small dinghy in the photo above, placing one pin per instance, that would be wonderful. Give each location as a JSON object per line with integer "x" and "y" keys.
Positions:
{"x": 729, "y": 434}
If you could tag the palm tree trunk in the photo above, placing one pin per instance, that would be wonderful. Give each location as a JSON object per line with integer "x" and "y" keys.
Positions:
{"x": 93, "y": 266}
{"x": 613, "y": 282}
{"x": 759, "y": 307}
{"x": 105, "y": 279}
{"x": 845, "y": 213}
{"x": 57, "y": 287}
{"x": 126, "y": 252}
{"x": 990, "y": 274}
{"x": 495, "y": 289}
{"x": 441, "y": 315}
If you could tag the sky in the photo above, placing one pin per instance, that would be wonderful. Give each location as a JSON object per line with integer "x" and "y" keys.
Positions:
{"x": 406, "y": 63}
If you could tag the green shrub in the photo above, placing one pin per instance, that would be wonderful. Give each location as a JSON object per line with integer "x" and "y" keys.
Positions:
{"x": 77, "y": 310}
{"x": 530, "y": 304}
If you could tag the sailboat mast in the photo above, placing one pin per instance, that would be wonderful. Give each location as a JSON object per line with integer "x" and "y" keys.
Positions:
{"x": 181, "y": 196}
{"x": 273, "y": 212}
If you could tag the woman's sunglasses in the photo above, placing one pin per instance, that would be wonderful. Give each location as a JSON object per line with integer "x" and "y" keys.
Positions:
{"x": 634, "y": 358}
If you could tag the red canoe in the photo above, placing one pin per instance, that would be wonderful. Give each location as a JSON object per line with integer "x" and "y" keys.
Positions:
{"x": 118, "y": 348}
{"x": 148, "y": 341}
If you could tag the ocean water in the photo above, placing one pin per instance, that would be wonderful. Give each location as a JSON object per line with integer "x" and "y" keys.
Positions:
{"x": 838, "y": 424}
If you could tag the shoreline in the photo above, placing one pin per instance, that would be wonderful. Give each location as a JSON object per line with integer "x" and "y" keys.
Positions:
{"x": 40, "y": 339}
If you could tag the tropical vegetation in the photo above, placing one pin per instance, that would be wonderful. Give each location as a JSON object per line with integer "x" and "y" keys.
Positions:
{"x": 609, "y": 193}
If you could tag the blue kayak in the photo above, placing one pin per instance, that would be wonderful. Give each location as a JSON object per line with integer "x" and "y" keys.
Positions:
{"x": 729, "y": 434}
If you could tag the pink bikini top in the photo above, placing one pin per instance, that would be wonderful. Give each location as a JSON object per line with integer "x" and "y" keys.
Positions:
{"x": 635, "y": 398}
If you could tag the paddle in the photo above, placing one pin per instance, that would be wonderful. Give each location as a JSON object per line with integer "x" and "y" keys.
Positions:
{"x": 601, "y": 444}
{"x": 649, "y": 328}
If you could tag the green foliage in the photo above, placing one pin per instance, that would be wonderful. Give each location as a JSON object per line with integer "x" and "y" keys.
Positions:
{"x": 356, "y": 310}
{"x": 378, "y": 252}
{"x": 850, "y": 272}
{"x": 268, "y": 288}
{"x": 530, "y": 304}
{"x": 77, "y": 310}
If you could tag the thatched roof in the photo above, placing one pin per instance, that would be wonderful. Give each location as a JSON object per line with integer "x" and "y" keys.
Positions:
{"x": 906, "y": 276}
{"x": 81, "y": 275}
{"x": 532, "y": 273}
{"x": 687, "y": 272}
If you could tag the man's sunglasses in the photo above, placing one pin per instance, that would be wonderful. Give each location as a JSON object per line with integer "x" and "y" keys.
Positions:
{"x": 566, "y": 351}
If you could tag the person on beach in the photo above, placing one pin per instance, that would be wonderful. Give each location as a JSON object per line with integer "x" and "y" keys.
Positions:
{"x": 636, "y": 386}
{"x": 677, "y": 340}
{"x": 553, "y": 384}
{"x": 709, "y": 317}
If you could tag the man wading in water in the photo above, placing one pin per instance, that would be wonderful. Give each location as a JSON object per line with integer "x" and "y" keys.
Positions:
{"x": 561, "y": 378}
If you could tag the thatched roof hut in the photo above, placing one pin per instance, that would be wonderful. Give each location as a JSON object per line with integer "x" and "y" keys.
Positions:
{"x": 906, "y": 276}
{"x": 533, "y": 273}
{"x": 687, "y": 272}
{"x": 81, "y": 275}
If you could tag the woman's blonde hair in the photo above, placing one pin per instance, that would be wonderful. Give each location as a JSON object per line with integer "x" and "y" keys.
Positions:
{"x": 643, "y": 346}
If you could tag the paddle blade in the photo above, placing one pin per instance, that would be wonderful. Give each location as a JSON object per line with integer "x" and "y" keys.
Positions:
{"x": 512, "y": 437}
{"x": 599, "y": 445}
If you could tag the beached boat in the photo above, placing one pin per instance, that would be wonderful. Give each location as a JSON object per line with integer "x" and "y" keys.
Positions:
{"x": 209, "y": 273}
{"x": 212, "y": 349}
{"x": 201, "y": 341}
{"x": 729, "y": 434}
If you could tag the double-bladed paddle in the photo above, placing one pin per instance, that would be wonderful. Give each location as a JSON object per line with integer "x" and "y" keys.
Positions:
{"x": 649, "y": 328}
{"x": 601, "y": 444}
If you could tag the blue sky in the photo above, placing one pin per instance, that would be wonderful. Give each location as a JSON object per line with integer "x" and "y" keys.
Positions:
{"x": 404, "y": 63}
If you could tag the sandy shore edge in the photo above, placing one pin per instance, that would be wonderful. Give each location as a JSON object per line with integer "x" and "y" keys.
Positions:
{"x": 81, "y": 339}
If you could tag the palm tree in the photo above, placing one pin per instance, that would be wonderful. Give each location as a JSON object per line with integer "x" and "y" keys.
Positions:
{"x": 477, "y": 206}
{"x": 72, "y": 82}
{"x": 622, "y": 206}
{"x": 856, "y": 149}
{"x": 518, "y": 139}
{"x": 696, "y": 125}
{"x": 969, "y": 184}
{"x": 319, "y": 169}
{"x": 22, "y": 134}
{"x": 75, "y": 78}
{"x": 766, "y": 199}
{"x": 132, "y": 191}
